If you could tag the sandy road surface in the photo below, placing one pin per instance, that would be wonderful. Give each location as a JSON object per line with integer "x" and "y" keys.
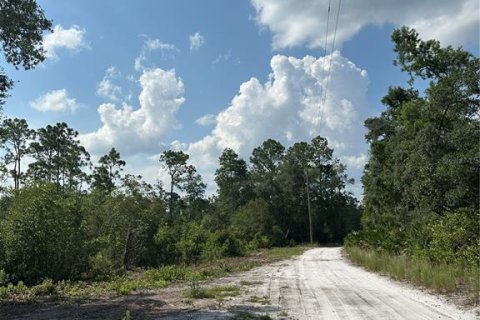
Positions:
{"x": 321, "y": 284}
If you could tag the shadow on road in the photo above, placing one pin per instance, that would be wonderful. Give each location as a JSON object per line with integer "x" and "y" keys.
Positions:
{"x": 252, "y": 311}
{"x": 141, "y": 306}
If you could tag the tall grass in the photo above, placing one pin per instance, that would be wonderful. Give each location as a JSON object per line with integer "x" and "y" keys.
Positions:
{"x": 442, "y": 278}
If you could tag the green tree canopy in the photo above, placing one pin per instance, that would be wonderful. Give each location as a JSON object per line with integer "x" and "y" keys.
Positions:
{"x": 14, "y": 136}
{"x": 425, "y": 159}
{"x": 175, "y": 162}
{"x": 58, "y": 157}
{"x": 105, "y": 175}
{"x": 232, "y": 179}
{"x": 22, "y": 24}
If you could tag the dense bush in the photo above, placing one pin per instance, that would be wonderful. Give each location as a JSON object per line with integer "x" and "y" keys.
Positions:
{"x": 254, "y": 220}
{"x": 454, "y": 238}
{"x": 192, "y": 243}
{"x": 166, "y": 239}
{"x": 43, "y": 235}
{"x": 223, "y": 243}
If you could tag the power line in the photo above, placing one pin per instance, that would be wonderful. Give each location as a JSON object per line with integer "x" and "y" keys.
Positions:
{"x": 331, "y": 52}
{"x": 319, "y": 122}
{"x": 328, "y": 23}
{"x": 322, "y": 73}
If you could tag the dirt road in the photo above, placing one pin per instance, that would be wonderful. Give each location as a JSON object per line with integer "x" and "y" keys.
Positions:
{"x": 321, "y": 284}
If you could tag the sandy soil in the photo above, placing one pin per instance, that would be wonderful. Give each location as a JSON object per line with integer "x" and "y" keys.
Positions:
{"x": 320, "y": 284}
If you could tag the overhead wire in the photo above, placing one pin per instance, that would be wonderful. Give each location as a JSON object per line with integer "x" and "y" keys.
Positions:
{"x": 321, "y": 104}
{"x": 325, "y": 46}
{"x": 329, "y": 70}
{"x": 328, "y": 23}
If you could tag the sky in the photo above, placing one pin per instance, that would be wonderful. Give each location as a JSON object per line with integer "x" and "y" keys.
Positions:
{"x": 200, "y": 76}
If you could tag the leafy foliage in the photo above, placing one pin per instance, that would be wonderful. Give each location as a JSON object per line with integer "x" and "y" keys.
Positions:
{"x": 50, "y": 228}
{"x": 22, "y": 23}
{"x": 43, "y": 235}
{"x": 176, "y": 164}
{"x": 59, "y": 157}
{"x": 14, "y": 136}
{"x": 105, "y": 175}
{"x": 422, "y": 180}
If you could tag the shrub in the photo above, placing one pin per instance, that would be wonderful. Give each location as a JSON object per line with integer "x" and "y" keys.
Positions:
{"x": 192, "y": 243}
{"x": 167, "y": 273}
{"x": 252, "y": 219}
{"x": 454, "y": 237}
{"x": 101, "y": 266}
{"x": 42, "y": 235}
{"x": 47, "y": 287}
{"x": 223, "y": 243}
{"x": 261, "y": 241}
{"x": 3, "y": 293}
{"x": 166, "y": 240}
{"x": 125, "y": 287}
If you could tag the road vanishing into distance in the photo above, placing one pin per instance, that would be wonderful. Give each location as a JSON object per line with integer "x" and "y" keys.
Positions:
{"x": 319, "y": 284}
{"x": 322, "y": 284}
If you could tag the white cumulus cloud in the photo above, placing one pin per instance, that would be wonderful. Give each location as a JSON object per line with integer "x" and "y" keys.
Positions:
{"x": 107, "y": 88}
{"x": 55, "y": 100}
{"x": 299, "y": 22}
{"x": 150, "y": 45}
{"x": 293, "y": 105}
{"x": 140, "y": 130}
{"x": 206, "y": 120}
{"x": 72, "y": 39}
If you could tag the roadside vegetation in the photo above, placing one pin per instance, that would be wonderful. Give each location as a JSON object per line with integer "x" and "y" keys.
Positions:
{"x": 421, "y": 218}
{"x": 155, "y": 278}
{"x": 63, "y": 227}
{"x": 446, "y": 278}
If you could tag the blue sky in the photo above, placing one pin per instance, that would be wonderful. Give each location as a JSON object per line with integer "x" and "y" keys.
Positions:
{"x": 247, "y": 72}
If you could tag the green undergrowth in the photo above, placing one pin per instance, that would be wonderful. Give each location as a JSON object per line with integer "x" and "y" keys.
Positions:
{"x": 441, "y": 278}
{"x": 197, "y": 291}
{"x": 134, "y": 281}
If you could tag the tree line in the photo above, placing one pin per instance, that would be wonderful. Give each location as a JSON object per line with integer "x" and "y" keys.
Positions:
{"x": 62, "y": 217}
{"x": 421, "y": 182}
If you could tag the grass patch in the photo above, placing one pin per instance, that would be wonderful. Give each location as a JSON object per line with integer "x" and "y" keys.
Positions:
{"x": 197, "y": 291}
{"x": 442, "y": 278}
{"x": 264, "y": 300}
